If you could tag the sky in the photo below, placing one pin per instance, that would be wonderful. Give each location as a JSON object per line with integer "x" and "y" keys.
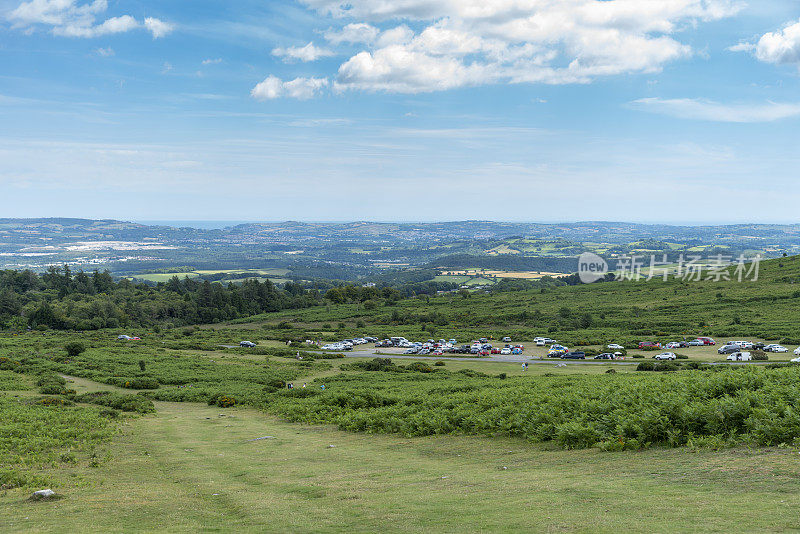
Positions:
{"x": 676, "y": 111}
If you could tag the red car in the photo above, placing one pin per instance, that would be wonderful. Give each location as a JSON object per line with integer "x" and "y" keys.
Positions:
{"x": 495, "y": 351}
{"x": 484, "y": 352}
{"x": 649, "y": 345}
{"x": 707, "y": 341}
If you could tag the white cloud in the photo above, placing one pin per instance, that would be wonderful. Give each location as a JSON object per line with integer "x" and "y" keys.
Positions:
{"x": 352, "y": 33}
{"x": 472, "y": 42}
{"x": 212, "y": 61}
{"x": 70, "y": 19}
{"x": 300, "y": 88}
{"x": 105, "y": 52}
{"x": 780, "y": 47}
{"x": 157, "y": 27}
{"x": 308, "y": 52}
{"x": 706, "y": 110}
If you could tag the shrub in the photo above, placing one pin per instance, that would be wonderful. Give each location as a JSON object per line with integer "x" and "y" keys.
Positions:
{"x": 135, "y": 383}
{"x": 118, "y": 401}
{"x": 667, "y": 366}
{"x": 420, "y": 367}
{"x": 440, "y": 363}
{"x": 645, "y": 366}
{"x": 759, "y": 356}
{"x": 7, "y": 364}
{"x": 223, "y": 401}
{"x": 681, "y": 356}
{"x": 74, "y": 348}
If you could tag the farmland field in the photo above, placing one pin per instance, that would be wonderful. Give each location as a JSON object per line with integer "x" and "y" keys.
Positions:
{"x": 276, "y": 275}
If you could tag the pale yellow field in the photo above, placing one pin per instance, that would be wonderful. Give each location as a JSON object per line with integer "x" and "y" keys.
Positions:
{"x": 529, "y": 275}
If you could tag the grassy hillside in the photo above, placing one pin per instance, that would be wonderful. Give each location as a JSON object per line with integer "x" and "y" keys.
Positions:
{"x": 768, "y": 308}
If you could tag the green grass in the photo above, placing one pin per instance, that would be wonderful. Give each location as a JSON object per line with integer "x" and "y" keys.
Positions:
{"x": 188, "y": 469}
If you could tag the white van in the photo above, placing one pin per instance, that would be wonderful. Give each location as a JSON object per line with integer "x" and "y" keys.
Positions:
{"x": 740, "y": 357}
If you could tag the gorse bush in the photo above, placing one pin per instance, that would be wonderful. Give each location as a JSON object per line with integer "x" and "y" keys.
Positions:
{"x": 125, "y": 403}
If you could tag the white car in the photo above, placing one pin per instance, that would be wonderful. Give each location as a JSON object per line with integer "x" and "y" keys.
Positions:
{"x": 505, "y": 351}
{"x": 540, "y": 343}
{"x": 795, "y": 360}
{"x": 672, "y": 345}
{"x": 797, "y": 351}
{"x": 615, "y": 346}
{"x": 665, "y": 356}
{"x": 775, "y": 348}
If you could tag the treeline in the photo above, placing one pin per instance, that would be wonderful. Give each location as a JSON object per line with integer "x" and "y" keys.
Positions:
{"x": 354, "y": 293}
{"x": 61, "y": 299}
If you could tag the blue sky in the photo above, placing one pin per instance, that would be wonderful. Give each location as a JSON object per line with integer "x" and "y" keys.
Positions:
{"x": 527, "y": 110}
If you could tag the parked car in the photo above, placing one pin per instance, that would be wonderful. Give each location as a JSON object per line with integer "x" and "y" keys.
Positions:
{"x": 649, "y": 345}
{"x": 742, "y": 344}
{"x": 505, "y": 351}
{"x": 249, "y": 344}
{"x": 574, "y": 355}
{"x": 672, "y": 345}
{"x": 540, "y": 342}
{"x": 739, "y": 357}
{"x": 795, "y": 360}
{"x": 496, "y": 350}
{"x": 797, "y": 351}
{"x": 707, "y": 340}
{"x": 665, "y": 356}
{"x": 615, "y": 346}
{"x": 556, "y": 351}
{"x": 485, "y": 352}
{"x": 506, "y": 339}
{"x": 728, "y": 349}
{"x": 516, "y": 350}
{"x": 774, "y": 347}
{"x": 696, "y": 343}
{"x": 605, "y": 356}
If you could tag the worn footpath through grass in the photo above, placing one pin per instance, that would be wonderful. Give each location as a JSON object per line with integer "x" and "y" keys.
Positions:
{"x": 193, "y": 467}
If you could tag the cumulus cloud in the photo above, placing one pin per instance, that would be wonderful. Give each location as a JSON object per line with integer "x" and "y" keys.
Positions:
{"x": 300, "y": 88}
{"x": 352, "y": 33}
{"x": 706, "y": 110}
{"x": 105, "y": 52}
{"x": 458, "y": 43}
{"x": 70, "y": 19}
{"x": 157, "y": 27}
{"x": 308, "y": 52}
{"x": 779, "y": 47}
